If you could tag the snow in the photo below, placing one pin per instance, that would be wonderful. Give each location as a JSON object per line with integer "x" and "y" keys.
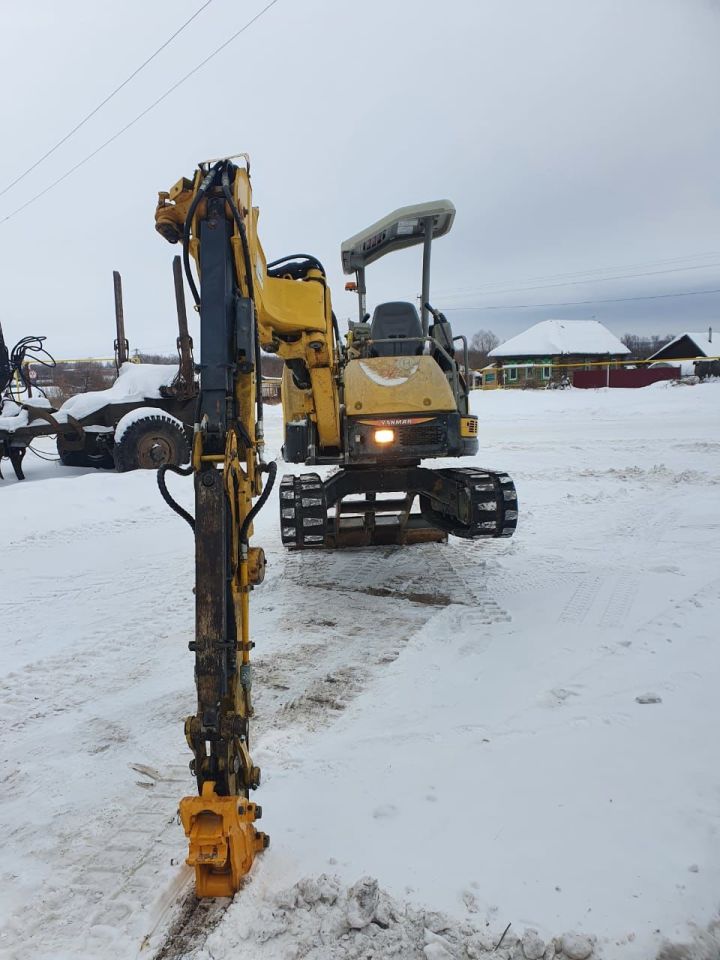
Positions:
{"x": 556, "y": 337}
{"x": 452, "y": 736}
{"x": 140, "y": 413}
{"x": 15, "y": 414}
{"x": 686, "y": 367}
{"x": 321, "y": 919}
{"x": 135, "y": 382}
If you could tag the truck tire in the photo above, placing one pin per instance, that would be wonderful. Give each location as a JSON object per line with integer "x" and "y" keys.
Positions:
{"x": 150, "y": 443}
{"x": 93, "y": 453}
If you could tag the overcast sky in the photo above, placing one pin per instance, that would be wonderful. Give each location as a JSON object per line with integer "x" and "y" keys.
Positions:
{"x": 578, "y": 139}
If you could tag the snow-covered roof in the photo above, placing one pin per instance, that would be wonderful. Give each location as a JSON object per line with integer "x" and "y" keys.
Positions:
{"x": 554, "y": 337}
{"x": 703, "y": 341}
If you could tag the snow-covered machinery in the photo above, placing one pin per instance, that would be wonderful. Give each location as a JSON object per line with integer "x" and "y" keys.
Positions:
{"x": 15, "y": 383}
{"x": 142, "y": 421}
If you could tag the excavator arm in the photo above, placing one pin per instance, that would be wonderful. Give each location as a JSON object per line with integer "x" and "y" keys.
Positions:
{"x": 213, "y": 219}
{"x": 292, "y": 306}
{"x": 245, "y": 305}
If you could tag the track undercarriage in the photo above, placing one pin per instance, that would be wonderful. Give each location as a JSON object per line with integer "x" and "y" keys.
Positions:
{"x": 365, "y": 507}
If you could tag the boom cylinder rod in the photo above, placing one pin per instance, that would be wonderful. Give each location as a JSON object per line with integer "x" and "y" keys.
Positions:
{"x": 184, "y": 341}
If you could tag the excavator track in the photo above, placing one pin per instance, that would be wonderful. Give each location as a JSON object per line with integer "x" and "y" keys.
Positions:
{"x": 489, "y": 500}
{"x": 467, "y": 502}
{"x": 303, "y": 511}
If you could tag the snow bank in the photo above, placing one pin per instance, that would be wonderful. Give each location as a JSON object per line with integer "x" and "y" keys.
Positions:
{"x": 135, "y": 382}
{"x": 15, "y": 415}
{"x": 320, "y": 919}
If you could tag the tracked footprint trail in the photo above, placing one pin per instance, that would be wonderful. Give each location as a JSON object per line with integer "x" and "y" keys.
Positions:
{"x": 103, "y": 705}
{"x": 331, "y": 642}
{"x": 326, "y": 624}
{"x": 96, "y": 680}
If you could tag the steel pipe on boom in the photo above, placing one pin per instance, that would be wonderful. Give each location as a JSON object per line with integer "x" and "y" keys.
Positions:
{"x": 121, "y": 345}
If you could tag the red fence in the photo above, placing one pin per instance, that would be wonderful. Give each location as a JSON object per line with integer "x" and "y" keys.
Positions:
{"x": 621, "y": 377}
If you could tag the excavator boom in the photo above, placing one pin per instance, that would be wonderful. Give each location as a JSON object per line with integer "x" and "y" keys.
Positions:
{"x": 213, "y": 221}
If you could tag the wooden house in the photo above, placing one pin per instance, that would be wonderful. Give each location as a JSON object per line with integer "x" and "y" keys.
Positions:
{"x": 689, "y": 352}
{"x": 551, "y": 350}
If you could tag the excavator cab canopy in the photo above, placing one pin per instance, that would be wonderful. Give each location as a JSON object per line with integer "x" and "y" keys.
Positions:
{"x": 402, "y": 228}
{"x": 405, "y": 227}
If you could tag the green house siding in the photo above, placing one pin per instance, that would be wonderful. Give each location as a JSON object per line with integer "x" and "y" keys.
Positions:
{"x": 540, "y": 371}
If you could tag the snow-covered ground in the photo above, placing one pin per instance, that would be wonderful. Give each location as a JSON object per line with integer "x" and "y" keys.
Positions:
{"x": 511, "y": 732}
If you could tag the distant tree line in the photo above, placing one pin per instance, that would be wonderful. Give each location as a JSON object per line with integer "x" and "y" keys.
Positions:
{"x": 643, "y": 347}
{"x": 68, "y": 379}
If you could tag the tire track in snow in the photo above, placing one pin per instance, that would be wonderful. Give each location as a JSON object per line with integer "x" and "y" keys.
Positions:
{"x": 320, "y": 655}
{"x": 357, "y": 642}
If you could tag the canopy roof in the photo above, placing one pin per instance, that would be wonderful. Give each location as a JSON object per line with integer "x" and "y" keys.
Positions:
{"x": 401, "y": 228}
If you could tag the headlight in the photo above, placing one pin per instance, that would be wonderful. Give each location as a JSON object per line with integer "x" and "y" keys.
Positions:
{"x": 384, "y": 436}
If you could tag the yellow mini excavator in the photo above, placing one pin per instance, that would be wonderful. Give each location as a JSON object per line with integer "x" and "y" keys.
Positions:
{"x": 374, "y": 407}
{"x": 399, "y": 396}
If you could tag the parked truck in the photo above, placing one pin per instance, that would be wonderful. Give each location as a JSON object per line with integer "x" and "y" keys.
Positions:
{"x": 143, "y": 421}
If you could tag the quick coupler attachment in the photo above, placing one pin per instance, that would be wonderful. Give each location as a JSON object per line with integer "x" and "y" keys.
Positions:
{"x": 223, "y": 840}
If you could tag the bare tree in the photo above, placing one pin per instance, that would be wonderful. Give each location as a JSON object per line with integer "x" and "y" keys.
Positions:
{"x": 81, "y": 377}
{"x": 643, "y": 347}
{"x": 481, "y": 343}
{"x": 484, "y": 341}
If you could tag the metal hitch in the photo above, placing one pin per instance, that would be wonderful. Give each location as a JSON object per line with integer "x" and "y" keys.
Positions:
{"x": 223, "y": 840}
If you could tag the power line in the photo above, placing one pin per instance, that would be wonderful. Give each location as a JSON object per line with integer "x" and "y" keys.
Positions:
{"x": 107, "y": 99}
{"x": 144, "y": 113}
{"x": 589, "y": 279}
{"x": 592, "y": 272}
{"x": 575, "y": 303}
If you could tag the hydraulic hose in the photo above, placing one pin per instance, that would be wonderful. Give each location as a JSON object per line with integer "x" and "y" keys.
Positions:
{"x": 307, "y": 257}
{"x": 249, "y": 281}
{"x": 205, "y": 185}
{"x": 17, "y": 358}
{"x": 336, "y": 330}
{"x": 167, "y": 496}
{"x": 271, "y": 470}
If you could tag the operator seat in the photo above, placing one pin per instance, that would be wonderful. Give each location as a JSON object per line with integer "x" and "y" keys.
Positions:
{"x": 397, "y": 321}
